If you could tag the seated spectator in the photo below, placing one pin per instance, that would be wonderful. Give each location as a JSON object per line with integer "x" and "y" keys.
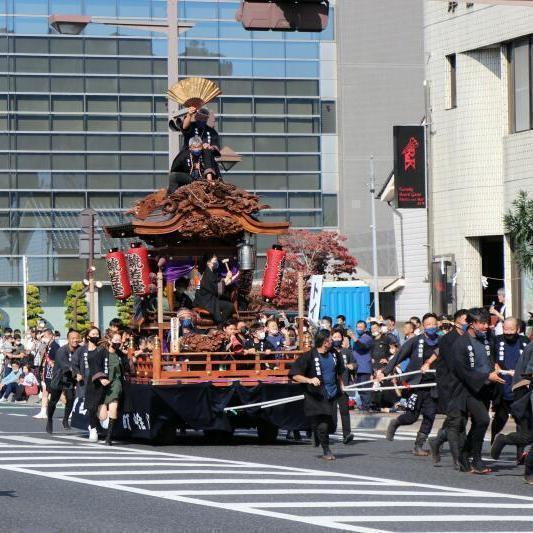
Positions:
{"x": 273, "y": 335}
{"x": 8, "y": 385}
{"x": 27, "y": 386}
{"x": 232, "y": 342}
{"x": 257, "y": 341}
{"x": 289, "y": 342}
{"x": 243, "y": 333}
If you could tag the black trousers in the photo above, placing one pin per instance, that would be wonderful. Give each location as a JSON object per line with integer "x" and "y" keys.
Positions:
{"x": 425, "y": 406}
{"x": 501, "y": 415}
{"x": 177, "y": 179}
{"x": 321, "y": 425}
{"x": 345, "y": 414}
{"x": 479, "y": 416}
{"x": 529, "y": 464}
{"x": 55, "y": 394}
{"x": 226, "y": 310}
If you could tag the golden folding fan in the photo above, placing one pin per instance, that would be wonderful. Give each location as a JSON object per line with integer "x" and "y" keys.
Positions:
{"x": 194, "y": 92}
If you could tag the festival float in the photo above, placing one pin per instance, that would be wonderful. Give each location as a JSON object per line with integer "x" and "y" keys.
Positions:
{"x": 186, "y": 382}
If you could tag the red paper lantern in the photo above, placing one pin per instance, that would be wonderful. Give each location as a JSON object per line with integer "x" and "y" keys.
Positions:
{"x": 273, "y": 275}
{"x": 139, "y": 269}
{"x": 118, "y": 274}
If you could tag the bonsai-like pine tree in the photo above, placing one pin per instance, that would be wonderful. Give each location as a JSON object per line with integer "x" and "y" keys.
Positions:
{"x": 125, "y": 310}
{"x": 518, "y": 223}
{"x": 76, "y": 310}
{"x": 34, "y": 310}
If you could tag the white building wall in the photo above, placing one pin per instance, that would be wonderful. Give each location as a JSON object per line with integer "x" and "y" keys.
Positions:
{"x": 473, "y": 155}
{"x": 410, "y": 227}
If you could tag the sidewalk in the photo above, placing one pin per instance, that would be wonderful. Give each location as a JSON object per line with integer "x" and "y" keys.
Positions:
{"x": 380, "y": 422}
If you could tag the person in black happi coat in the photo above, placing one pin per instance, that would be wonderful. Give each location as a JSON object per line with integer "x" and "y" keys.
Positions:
{"x": 97, "y": 379}
{"x": 522, "y": 411}
{"x": 321, "y": 371}
{"x": 508, "y": 348}
{"x": 422, "y": 351}
{"x": 191, "y": 164}
{"x": 63, "y": 380}
{"x": 208, "y": 296}
{"x": 444, "y": 377}
{"x": 473, "y": 390}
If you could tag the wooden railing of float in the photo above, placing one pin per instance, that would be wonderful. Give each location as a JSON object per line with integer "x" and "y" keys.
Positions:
{"x": 217, "y": 367}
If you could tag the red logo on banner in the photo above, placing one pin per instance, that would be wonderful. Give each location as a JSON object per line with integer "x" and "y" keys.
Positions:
{"x": 409, "y": 154}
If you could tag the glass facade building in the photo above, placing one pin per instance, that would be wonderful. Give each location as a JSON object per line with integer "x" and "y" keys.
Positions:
{"x": 83, "y": 123}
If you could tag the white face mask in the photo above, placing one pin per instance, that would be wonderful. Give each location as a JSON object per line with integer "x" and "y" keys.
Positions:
{"x": 261, "y": 335}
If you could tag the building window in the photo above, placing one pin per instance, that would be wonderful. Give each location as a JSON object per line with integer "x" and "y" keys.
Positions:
{"x": 451, "y": 76}
{"x": 328, "y": 117}
{"x": 521, "y": 85}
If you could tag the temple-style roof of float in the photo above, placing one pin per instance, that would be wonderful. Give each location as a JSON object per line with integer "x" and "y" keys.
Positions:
{"x": 200, "y": 211}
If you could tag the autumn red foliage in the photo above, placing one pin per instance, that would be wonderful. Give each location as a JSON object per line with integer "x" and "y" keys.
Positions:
{"x": 320, "y": 252}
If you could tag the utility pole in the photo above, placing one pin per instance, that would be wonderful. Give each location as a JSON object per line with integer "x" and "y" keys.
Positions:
{"x": 89, "y": 247}
{"x": 374, "y": 236}
{"x": 25, "y": 290}
{"x": 172, "y": 73}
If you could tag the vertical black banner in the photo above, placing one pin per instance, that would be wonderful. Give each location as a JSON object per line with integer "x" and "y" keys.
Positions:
{"x": 409, "y": 166}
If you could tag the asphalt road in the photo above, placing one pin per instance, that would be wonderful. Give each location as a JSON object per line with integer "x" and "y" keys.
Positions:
{"x": 64, "y": 483}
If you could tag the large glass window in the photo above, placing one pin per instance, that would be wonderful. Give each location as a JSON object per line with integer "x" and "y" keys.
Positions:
{"x": 69, "y": 65}
{"x": 521, "y": 85}
{"x": 101, "y": 85}
{"x": 68, "y": 142}
{"x": 34, "y": 84}
{"x": 103, "y": 143}
{"x": 328, "y": 117}
{"x": 65, "y": 45}
{"x": 33, "y": 142}
{"x": 102, "y": 104}
{"x": 64, "y": 84}
{"x": 32, "y": 103}
{"x": 67, "y": 104}
{"x": 67, "y": 123}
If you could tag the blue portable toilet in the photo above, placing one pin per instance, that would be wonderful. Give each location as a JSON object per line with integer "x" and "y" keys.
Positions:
{"x": 348, "y": 298}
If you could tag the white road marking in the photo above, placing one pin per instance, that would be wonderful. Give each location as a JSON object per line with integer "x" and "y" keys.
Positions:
{"x": 319, "y": 491}
{"x": 248, "y": 481}
{"x": 30, "y": 440}
{"x": 280, "y": 481}
{"x": 423, "y": 518}
{"x": 230, "y": 469}
{"x": 15, "y": 414}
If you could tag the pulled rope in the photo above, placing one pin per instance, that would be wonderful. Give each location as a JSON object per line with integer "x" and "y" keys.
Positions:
{"x": 290, "y": 399}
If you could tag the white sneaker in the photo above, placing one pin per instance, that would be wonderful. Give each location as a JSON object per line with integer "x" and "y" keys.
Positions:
{"x": 41, "y": 414}
{"x": 3, "y": 400}
{"x": 93, "y": 435}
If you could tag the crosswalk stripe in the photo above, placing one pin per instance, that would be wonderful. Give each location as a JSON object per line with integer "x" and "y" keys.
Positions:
{"x": 245, "y": 481}
{"x": 382, "y": 503}
{"x": 236, "y": 492}
{"x": 30, "y": 440}
{"x": 423, "y": 518}
{"x": 230, "y": 470}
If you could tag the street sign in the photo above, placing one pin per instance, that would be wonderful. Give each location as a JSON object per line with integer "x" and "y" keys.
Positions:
{"x": 85, "y": 242}
{"x": 314, "y": 298}
{"x": 410, "y": 166}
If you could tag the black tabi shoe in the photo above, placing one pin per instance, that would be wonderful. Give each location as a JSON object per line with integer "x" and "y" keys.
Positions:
{"x": 49, "y": 426}
{"x": 349, "y": 438}
{"x": 479, "y": 467}
{"x": 109, "y": 432}
{"x": 463, "y": 463}
{"x": 66, "y": 424}
{"x": 435, "y": 450}
{"x": 391, "y": 429}
{"x": 497, "y": 446}
{"x": 328, "y": 455}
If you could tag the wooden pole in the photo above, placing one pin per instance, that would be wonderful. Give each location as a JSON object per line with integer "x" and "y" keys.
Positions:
{"x": 156, "y": 361}
{"x": 301, "y": 310}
